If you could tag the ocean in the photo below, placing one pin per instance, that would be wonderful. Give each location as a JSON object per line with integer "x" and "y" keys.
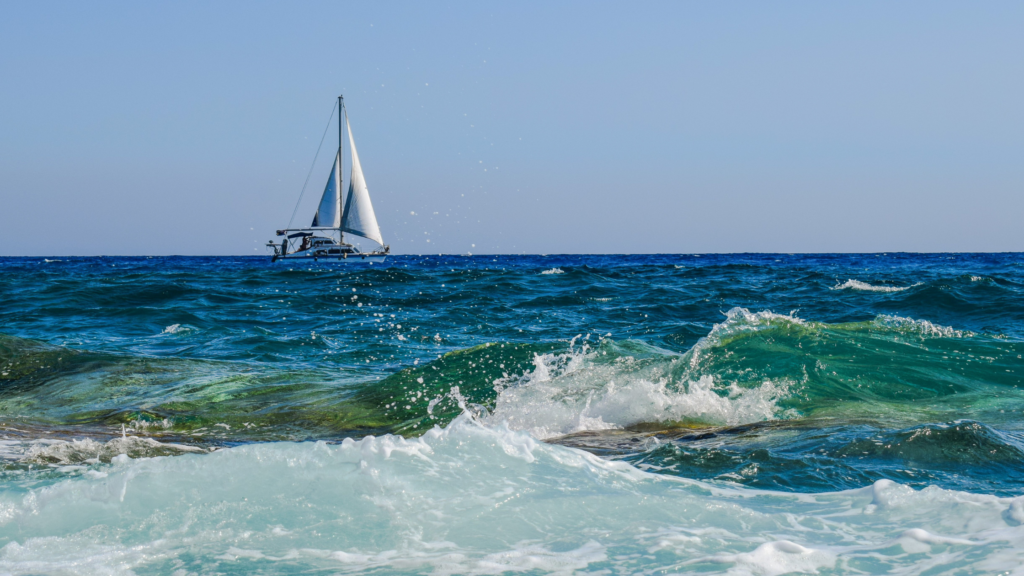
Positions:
{"x": 669, "y": 414}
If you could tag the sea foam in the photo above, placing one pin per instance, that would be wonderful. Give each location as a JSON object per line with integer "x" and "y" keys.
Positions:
{"x": 578, "y": 391}
{"x": 478, "y": 499}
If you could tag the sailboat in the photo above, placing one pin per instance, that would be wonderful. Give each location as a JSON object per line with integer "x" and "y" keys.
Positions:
{"x": 337, "y": 214}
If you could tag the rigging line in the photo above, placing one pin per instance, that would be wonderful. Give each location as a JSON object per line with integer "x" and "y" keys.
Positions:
{"x": 322, "y": 138}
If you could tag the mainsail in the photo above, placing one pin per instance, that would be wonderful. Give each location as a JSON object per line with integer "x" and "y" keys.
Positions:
{"x": 359, "y": 218}
{"x": 328, "y": 215}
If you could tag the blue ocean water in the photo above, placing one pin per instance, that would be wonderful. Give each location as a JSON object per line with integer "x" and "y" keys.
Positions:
{"x": 742, "y": 414}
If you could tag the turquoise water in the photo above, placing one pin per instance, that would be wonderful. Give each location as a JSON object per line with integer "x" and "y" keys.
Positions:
{"x": 743, "y": 414}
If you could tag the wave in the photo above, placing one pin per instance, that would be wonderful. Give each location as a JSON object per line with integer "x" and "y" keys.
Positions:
{"x": 864, "y": 286}
{"x": 818, "y": 455}
{"x": 569, "y": 393}
{"x": 473, "y": 499}
{"x": 88, "y": 450}
{"x": 763, "y": 366}
{"x": 752, "y": 367}
{"x": 922, "y": 327}
{"x": 198, "y": 402}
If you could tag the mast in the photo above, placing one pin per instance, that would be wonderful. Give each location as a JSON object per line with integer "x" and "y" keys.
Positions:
{"x": 341, "y": 165}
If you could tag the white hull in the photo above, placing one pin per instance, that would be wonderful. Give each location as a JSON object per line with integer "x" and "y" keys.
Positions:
{"x": 351, "y": 259}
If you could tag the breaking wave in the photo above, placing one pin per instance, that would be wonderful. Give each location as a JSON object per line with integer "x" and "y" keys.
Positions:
{"x": 578, "y": 391}
{"x": 752, "y": 367}
{"x": 474, "y": 499}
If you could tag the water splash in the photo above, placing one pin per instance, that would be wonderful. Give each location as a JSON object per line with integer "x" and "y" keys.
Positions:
{"x": 582, "y": 390}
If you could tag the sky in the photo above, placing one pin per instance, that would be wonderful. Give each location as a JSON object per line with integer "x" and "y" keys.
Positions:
{"x": 156, "y": 128}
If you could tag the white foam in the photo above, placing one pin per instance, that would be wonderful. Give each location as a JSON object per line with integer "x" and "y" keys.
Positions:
{"x": 918, "y": 540}
{"x": 921, "y": 327}
{"x": 740, "y": 320}
{"x": 84, "y": 450}
{"x": 584, "y": 390}
{"x": 149, "y": 425}
{"x": 776, "y": 558}
{"x": 1015, "y": 513}
{"x": 554, "y": 271}
{"x": 80, "y": 450}
{"x": 865, "y": 287}
{"x": 572, "y": 392}
{"x": 475, "y": 499}
{"x": 587, "y": 390}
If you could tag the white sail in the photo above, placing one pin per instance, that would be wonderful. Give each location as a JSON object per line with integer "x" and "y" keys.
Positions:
{"x": 328, "y": 215}
{"x": 359, "y": 218}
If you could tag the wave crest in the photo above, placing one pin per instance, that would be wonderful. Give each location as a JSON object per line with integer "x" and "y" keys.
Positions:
{"x": 87, "y": 449}
{"x": 582, "y": 391}
{"x": 921, "y": 327}
{"x": 865, "y": 287}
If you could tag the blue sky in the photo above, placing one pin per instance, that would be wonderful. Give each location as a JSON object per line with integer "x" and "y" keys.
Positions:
{"x": 537, "y": 127}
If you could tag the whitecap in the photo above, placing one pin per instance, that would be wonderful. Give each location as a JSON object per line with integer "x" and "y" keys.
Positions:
{"x": 580, "y": 391}
{"x": 865, "y": 287}
{"x": 921, "y": 327}
{"x": 145, "y": 425}
{"x": 738, "y": 320}
{"x": 554, "y": 271}
{"x": 176, "y": 329}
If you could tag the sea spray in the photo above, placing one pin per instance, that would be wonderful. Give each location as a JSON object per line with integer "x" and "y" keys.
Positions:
{"x": 577, "y": 391}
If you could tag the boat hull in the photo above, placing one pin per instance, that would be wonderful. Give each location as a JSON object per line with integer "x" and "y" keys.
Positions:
{"x": 351, "y": 259}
